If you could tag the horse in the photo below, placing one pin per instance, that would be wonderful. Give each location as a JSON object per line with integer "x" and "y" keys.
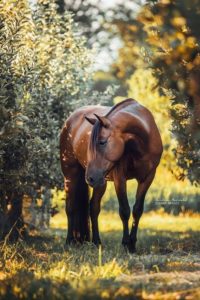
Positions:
{"x": 100, "y": 144}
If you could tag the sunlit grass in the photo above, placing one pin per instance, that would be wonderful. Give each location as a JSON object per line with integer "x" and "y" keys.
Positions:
{"x": 110, "y": 221}
{"x": 167, "y": 263}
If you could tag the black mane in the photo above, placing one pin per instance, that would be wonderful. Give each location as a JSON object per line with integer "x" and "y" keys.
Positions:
{"x": 97, "y": 126}
{"x": 118, "y": 105}
{"x": 94, "y": 137}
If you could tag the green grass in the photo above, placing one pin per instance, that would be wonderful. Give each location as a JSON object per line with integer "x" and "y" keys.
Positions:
{"x": 166, "y": 266}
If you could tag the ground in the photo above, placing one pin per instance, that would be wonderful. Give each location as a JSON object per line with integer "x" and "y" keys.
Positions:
{"x": 166, "y": 266}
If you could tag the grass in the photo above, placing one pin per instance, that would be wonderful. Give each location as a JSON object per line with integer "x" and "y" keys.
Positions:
{"x": 167, "y": 265}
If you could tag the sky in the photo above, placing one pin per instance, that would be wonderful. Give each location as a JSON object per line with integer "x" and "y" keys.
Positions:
{"x": 106, "y": 57}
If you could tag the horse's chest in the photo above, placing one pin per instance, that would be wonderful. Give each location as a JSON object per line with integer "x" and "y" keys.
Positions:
{"x": 130, "y": 168}
{"x": 139, "y": 168}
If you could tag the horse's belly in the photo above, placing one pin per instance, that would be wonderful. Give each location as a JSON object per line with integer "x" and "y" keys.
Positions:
{"x": 133, "y": 169}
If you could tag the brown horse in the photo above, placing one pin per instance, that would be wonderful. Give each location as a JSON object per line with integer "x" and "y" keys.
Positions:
{"x": 120, "y": 143}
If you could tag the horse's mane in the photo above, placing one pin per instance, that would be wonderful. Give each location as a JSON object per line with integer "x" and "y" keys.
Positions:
{"x": 97, "y": 126}
{"x": 94, "y": 137}
{"x": 118, "y": 105}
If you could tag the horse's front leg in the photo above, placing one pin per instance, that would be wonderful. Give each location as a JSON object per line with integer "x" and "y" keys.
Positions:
{"x": 95, "y": 206}
{"x": 124, "y": 208}
{"x": 138, "y": 209}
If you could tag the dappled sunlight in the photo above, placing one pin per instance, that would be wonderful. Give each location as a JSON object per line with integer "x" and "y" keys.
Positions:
{"x": 59, "y": 221}
{"x": 66, "y": 269}
{"x": 166, "y": 222}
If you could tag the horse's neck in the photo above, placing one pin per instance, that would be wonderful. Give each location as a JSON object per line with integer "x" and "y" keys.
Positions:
{"x": 120, "y": 106}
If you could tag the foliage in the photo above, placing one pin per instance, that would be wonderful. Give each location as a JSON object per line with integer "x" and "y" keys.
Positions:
{"x": 16, "y": 61}
{"x": 165, "y": 36}
{"x": 178, "y": 36}
{"x": 92, "y": 20}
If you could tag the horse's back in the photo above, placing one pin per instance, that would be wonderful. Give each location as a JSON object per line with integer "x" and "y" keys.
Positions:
{"x": 137, "y": 110}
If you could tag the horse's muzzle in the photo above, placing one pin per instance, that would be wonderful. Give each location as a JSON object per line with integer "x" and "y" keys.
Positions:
{"x": 95, "y": 180}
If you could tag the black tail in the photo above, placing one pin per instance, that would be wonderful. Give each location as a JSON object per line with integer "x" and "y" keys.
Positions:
{"x": 82, "y": 199}
{"x": 77, "y": 209}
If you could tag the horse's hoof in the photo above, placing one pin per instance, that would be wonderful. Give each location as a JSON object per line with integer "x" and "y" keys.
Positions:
{"x": 97, "y": 243}
{"x": 125, "y": 246}
{"x": 125, "y": 241}
{"x": 70, "y": 241}
{"x": 131, "y": 249}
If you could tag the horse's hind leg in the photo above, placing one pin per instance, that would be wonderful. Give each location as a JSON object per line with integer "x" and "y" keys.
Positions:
{"x": 138, "y": 208}
{"x": 124, "y": 208}
{"x": 77, "y": 205}
{"x": 94, "y": 212}
{"x": 70, "y": 207}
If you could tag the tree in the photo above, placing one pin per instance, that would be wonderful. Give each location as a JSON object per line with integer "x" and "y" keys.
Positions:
{"x": 16, "y": 57}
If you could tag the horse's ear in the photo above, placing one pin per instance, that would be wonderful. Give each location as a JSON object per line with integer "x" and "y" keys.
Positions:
{"x": 90, "y": 120}
{"x": 103, "y": 120}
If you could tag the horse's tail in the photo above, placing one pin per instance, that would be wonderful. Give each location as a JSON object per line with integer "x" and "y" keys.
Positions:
{"x": 82, "y": 213}
{"x": 77, "y": 207}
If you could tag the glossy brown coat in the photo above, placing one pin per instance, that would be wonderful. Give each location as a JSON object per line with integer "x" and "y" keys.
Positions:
{"x": 100, "y": 143}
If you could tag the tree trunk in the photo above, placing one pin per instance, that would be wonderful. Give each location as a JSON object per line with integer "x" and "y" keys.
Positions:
{"x": 12, "y": 225}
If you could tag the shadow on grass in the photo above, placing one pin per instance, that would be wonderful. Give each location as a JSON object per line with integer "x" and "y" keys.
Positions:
{"x": 153, "y": 248}
{"x": 27, "y": 286}
{"x": 150, "y": 241}
{"x": 157, "y": 241}
{"x": 24, "y": 285}
{"x": 46, "y": 242}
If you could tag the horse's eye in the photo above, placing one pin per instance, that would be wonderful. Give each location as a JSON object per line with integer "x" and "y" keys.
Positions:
{"x": 102, "y": 143}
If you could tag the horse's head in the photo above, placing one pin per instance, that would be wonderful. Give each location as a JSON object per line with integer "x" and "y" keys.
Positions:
{"x": 105, "y": 148}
